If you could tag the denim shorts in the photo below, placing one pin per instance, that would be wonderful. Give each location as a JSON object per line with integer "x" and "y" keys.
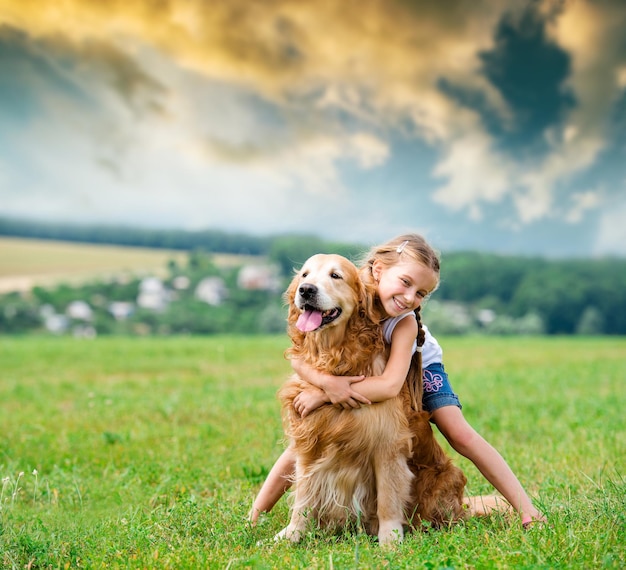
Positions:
{"x": 437, "y": 390}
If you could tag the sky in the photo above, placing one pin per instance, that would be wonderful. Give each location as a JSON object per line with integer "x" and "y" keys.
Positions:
{"x": 492, "y": 125}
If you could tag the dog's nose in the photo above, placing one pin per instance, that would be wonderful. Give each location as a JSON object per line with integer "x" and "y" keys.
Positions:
{"x": 307, "y": 291}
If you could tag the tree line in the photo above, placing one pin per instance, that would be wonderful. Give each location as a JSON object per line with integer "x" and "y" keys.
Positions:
{"x": 481, "y": 292}
{"x": 208, "y": 240}
{"x": 570, "y": 295}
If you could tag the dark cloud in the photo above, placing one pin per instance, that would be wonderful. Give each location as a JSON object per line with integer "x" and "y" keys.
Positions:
{"x": 530, "y": 71}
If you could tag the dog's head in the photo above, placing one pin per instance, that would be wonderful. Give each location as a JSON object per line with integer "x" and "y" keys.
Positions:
{"x": 324, "y": 293}
{"x": 332, "y": 321}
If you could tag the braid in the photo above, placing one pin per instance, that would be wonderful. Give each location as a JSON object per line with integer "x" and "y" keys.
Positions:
{"x": 414, "y": 377}
{"x": 421, "y": 334}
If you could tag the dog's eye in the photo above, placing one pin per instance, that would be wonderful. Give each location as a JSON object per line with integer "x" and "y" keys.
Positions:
{"x": 334, "y": 275}
{"x": 305, "y": 274}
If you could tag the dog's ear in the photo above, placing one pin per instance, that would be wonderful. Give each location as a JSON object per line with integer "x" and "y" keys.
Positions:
{"x": 367, "y": 305}
{"x": 289, "y": 297}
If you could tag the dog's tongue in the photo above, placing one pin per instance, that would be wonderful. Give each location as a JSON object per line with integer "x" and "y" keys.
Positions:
{"x": 309, "y": 321}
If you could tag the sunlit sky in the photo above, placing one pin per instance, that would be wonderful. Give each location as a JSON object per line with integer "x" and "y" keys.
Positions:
{"x": 485, "y": 125}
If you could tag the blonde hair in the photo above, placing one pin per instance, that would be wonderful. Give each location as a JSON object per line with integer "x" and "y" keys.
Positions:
{"x": 403, "y": 248}
{"x": 413, "y": 246}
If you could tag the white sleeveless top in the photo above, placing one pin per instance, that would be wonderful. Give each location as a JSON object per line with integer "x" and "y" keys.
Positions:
{"x": 431, "y": 351}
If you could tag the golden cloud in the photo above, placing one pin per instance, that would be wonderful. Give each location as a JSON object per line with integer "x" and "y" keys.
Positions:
{"x": 383, "y": 56}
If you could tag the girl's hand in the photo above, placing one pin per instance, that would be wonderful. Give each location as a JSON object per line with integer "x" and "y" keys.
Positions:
{"x": 340, "y": 392}
{"x": 309, "y": 400}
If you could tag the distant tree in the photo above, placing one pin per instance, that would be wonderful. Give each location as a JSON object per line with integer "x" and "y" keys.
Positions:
{"x": 209, "y": 240}
{"x": 558, "y": 293}
{"x": 470, "y": 276}
{"x": 353, "y": 252}
{"x": 608, "y": 294}
{"x": 446, "y": 317}
{"x": 531, "y": 324}
{"x": 200, "y": 264}
{"x": 290, "y": 252}
{"x": 591, "y": 322}
{"x": 18, "y": 315}
{"x": 272, "y": 319}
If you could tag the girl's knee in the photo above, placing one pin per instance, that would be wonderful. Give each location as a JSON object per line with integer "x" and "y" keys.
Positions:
{"x": 462, "y": 438}
{"x": 454, "y": 427}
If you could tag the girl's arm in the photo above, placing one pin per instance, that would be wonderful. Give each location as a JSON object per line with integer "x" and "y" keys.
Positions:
{"x": 389, "y": 383}
{"x": 337, "y": 389}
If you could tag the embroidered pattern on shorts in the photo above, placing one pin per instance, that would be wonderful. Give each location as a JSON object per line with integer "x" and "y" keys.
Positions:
{"x": 432, "y": 382}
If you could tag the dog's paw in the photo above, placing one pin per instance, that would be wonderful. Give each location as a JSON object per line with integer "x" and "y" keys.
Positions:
{"x": 390, "y": 533}
{"x": 288, "y": 533}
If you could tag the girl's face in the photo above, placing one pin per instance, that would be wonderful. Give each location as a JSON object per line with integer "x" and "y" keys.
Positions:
{"x": 403, "y": 286}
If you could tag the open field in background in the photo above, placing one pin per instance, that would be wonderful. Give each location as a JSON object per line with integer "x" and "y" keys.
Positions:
{"x": 147, "y": 453}
{"x": 25, "y": 263}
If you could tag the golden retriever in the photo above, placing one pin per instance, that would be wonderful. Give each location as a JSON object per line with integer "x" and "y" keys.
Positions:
{"x": 359, "y": 464}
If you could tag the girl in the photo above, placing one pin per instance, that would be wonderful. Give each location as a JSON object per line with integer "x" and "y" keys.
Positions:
{"x": 404, "y": 271}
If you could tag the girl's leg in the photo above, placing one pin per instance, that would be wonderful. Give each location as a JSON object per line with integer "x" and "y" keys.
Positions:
{"x": 277, "y": 482}
{"x": 466, "y": 441}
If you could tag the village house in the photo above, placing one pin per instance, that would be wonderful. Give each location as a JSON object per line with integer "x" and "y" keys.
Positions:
{"x": 211, "y": 290}
{"x": 259, "y": 277}
{"x": 153, "y": 294}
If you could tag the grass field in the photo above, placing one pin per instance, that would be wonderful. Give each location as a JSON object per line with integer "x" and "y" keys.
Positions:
{"x": 147, "y": 453}
{"x": 28, "y": 262}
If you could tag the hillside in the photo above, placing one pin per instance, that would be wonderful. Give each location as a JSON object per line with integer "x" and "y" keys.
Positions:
{"x": 25, "y": 263}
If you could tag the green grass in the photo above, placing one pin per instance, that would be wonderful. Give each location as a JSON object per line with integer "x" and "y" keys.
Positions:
{"x": 147, "y": 453}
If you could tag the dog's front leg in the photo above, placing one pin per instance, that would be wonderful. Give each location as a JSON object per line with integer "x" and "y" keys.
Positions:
{"x": 297, "y": 525}
{"x": 393, "y": 487}
{"x": 295, "y": 529}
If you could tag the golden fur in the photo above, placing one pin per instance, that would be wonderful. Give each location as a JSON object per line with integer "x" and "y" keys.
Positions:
{"x": 378, "y": 464}
{"x": 438, "y": 485}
